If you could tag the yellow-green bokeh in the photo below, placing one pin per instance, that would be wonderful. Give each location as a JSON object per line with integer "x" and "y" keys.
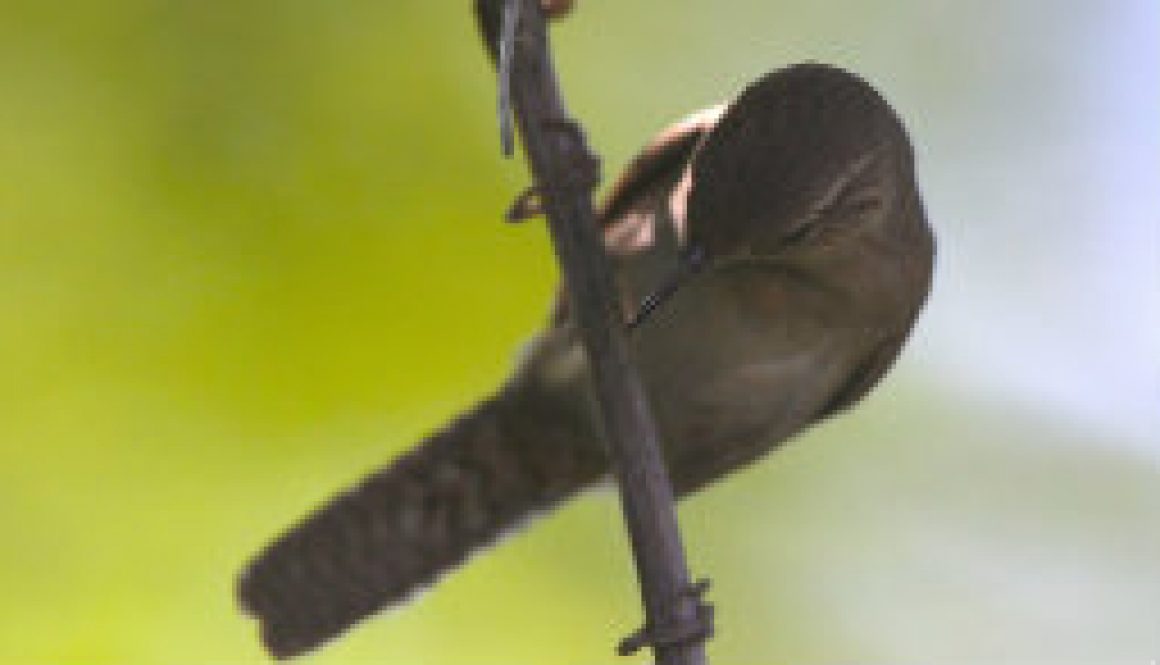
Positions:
{"x": 249, "y": 250}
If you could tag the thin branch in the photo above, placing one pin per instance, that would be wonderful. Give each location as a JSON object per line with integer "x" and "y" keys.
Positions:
{"x": 565, "y": 172}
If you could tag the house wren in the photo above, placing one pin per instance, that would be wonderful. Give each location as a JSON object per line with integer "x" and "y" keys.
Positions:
{"x": 795, "y": 211}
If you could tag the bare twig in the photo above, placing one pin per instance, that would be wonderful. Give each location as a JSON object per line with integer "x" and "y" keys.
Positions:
{"x": 565, "y": 172}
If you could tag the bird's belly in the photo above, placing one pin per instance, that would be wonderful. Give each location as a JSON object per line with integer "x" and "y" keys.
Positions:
{"x": 731, "y": 368}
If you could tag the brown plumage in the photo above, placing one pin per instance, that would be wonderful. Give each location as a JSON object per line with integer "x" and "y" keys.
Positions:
{"x": 801, "y": 195}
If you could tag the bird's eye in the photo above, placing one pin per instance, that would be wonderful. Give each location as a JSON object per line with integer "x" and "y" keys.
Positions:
{"x": 863, "y": 202}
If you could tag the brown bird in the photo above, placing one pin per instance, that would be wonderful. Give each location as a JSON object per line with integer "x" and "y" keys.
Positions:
{"x": 797, "y": 209}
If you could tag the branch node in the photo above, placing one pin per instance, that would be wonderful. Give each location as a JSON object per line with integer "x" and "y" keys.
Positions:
{"x": 528, "y": 204}
{"x": 581, "y": 175}
{"x": 678, "y": 632}
{"x": 582, "y": 168}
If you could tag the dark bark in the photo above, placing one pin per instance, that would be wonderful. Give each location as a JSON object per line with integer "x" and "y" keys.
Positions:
{"x": 564, "y": 171}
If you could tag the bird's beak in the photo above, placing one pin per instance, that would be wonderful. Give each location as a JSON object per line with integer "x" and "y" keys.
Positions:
{"x": 689, "y": 265}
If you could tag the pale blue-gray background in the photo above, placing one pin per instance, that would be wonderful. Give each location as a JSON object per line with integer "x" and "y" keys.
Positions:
{"x": 250, "y": 249}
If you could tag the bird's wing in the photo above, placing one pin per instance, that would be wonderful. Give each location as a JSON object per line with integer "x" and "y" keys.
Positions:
{"x": 663, "y": 157}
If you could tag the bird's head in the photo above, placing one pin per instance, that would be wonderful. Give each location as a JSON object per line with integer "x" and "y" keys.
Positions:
{"x": 803, "y": 155}
{"x": 807, "y": 162}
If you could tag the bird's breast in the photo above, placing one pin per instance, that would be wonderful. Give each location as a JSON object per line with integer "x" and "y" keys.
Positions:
{"x": 739, "y": 356}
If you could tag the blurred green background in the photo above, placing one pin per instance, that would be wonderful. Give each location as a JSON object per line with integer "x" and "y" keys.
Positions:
{"x": 249, "y": 250}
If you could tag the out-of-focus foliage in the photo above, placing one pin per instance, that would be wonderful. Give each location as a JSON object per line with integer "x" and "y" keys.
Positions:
{"x": 250, "y": 250}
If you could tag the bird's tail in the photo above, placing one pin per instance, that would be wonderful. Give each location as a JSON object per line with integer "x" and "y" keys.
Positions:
{"x": 406, "y": 524}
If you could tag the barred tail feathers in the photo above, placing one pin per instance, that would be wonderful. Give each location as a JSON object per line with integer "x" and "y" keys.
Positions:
{"x": 405, "y": 525}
